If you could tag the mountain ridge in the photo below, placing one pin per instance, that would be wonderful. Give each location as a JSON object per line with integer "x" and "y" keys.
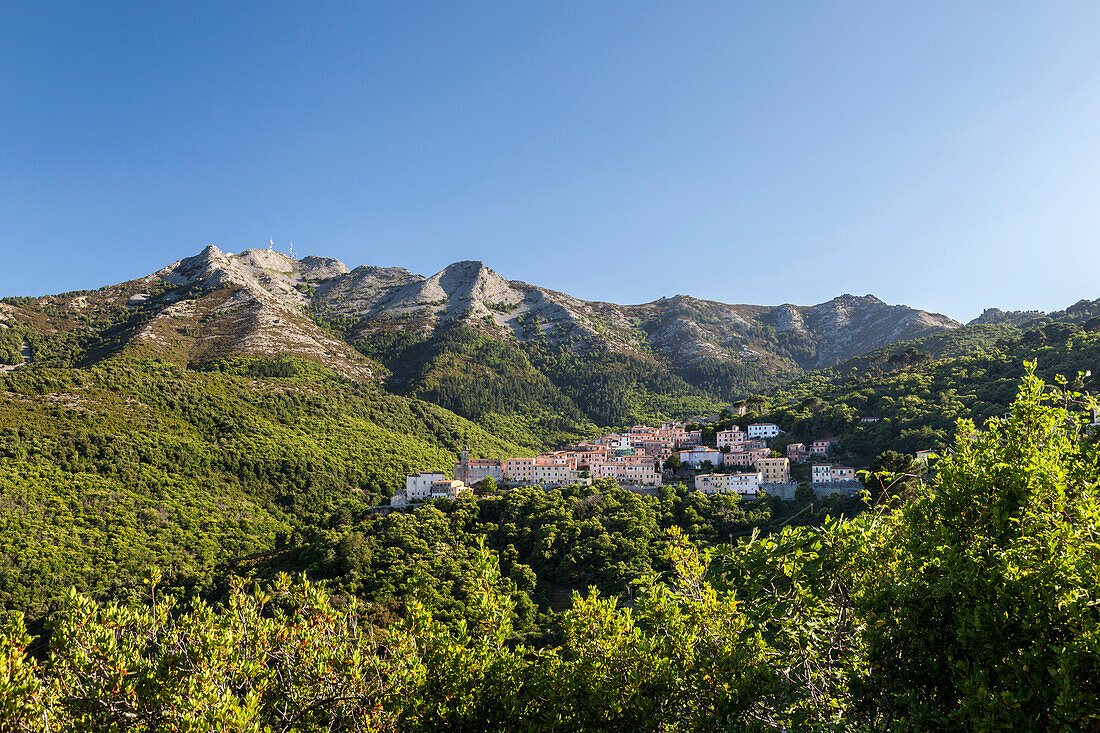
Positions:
{"x": 261, "y": 302}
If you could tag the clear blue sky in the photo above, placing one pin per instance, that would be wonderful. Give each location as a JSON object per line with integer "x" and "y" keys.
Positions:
{"x": 940, "y": 154}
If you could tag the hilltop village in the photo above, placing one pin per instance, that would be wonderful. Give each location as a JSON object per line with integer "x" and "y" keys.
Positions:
{"x": 742, "y": 461}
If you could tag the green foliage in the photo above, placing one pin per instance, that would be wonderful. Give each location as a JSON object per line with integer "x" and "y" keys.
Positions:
{"x": 968, "y": 604}
{"x": 983, "y": 615}
{"x": 534, "y": 393}
{"x": 919, "y": 403}
{"x": 108, "y": 470}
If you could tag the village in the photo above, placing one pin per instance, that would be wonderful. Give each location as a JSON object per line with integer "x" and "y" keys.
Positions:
{"x": 640, "y": 459}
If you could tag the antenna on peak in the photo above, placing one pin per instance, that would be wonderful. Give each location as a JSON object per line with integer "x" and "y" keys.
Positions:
{"x": 270, "y": 245}
{"x": 292, "y": 250}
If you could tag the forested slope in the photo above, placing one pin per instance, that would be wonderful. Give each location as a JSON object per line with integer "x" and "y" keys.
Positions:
{"x": 918, "y": 397}
{"x": 104, "y": 471}
{"x": 970, "y": 607}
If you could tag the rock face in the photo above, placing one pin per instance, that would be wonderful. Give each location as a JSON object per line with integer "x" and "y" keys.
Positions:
{"x": 682, "y": 329}
{"x": 249, "y": 304}
{"x": 262, "y": 302}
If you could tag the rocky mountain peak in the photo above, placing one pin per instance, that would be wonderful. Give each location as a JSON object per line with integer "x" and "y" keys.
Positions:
{"x": 321, "y": 268}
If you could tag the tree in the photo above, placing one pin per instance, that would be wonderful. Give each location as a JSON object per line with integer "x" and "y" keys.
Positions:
{"x": 804, "y": 493}
{"x": 488, "y": 486}
{"x": 977, "y": 615}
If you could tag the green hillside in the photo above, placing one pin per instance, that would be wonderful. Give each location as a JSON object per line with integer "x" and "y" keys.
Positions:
{"x": 972, "y": 606}
{"x": 918, "y": 396}
{"x": 104, "y": 471}
{"x": 535, "y": 393}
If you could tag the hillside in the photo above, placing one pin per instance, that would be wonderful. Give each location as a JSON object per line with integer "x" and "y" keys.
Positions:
{"x": 106, "y": 469}
{"x": 919, "y": 389}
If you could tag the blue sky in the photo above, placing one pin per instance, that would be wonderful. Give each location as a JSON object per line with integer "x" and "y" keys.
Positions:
{"x": 940, "y": 154}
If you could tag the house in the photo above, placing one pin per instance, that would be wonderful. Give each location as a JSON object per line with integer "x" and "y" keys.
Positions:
{"x": 730, "y": 437}
{"x": 820, "y": 447}
{"x": 745, "y": 457}
{"x": 797, "y": 452}
{"x": 690, "y": 439}
{"x": 448, "y": 489}
{"x": 553, "y": 474}
{"x": 840, "y": 474}
{"x": 746, "y": 484}
{"x": 763, "y": 430}
{"x": 661, "y": 449}
{"x": 519, "y": 470}
{"x": 700, "y": 453}
{"x": 774, "y": 470}
{"x": 637, "y": 474}
{"x": 868, "y": 419}
{"x": 671, "y": 431}
{"x": 924, "y": 456}
{"x": 418, "y": 486}
{"x": 823, "y": 473}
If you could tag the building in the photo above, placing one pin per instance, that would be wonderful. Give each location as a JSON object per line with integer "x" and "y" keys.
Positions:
{"x": 746, "y": 484}
{"x": 448, "y": 489}
{"x": 820, "y": 447}
{"x": 745, "y": 457}
{"x": 730, "y": 438}
{"x": 797, "y": 452}
{"x": 924, "y": 456}
{"x": 659, "y": 449}
{"x": 823, "y": 473}
{"x": 519, "y": 470}
{"x": 763, "y": 430}
{"x": 635, "y": 474}
{"x": 690, "y": 439}
{"x": 553, "y": 474}
{"x": 840, "y": 474}
{"x": 639, "y": 434}
{"x": 418, "y": 486}
{"x": 774, "y": 470}
{"x": 697, "y": 455}
{"x": 868, "y": 419}
{"x": 585, "y": 454}
{"x": 473, "y": 470}
{"x": 671, "y": 431}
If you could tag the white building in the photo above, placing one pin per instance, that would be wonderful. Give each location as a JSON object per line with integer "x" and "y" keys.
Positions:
{"x": 696, "y": 456}
{"x": 418, "y": 486}
{"x": 746, "y": 484}
{"x": 763, "y": 430}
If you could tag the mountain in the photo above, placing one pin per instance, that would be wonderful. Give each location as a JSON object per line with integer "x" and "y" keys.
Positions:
{"x": 681, "y": 330}
{"x": 466, "y": 338}
{"x": 200, "y": 308}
